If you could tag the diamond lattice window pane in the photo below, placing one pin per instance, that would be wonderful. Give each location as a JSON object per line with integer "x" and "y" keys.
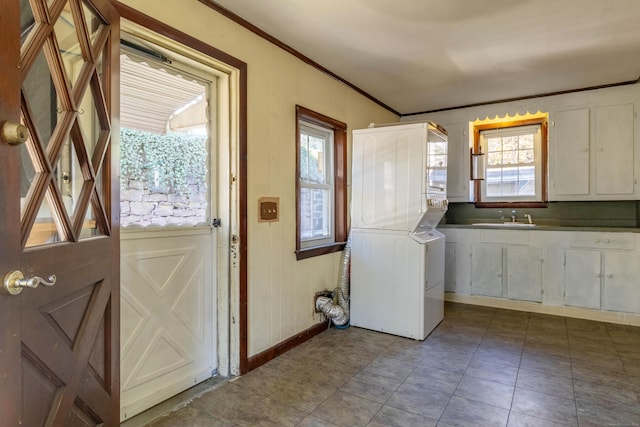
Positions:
{"x": 46, "y": 229}
{"x": 93, "y": 22}
{"x": 42, "y": 100}
{"x": 27, "y": 21}
{"x": 69, "y": 45}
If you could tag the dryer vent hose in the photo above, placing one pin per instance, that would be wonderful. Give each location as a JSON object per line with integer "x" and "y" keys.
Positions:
{"x": 339, "y": 313}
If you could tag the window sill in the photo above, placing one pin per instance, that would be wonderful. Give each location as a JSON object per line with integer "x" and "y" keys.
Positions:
{"x": 319, "y": 250}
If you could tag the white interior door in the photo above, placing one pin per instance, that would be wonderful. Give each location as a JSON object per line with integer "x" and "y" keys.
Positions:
{"x": 168, "y": 245}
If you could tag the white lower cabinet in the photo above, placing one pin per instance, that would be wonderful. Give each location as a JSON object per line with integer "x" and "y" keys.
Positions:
{"x": 450, "y": 267}
{"x": 524, "y": 273}
{"x": 486, "y": 270}
{"x": 601, "y": 271}
{"x": 520, "y": 265}
{"x": 622, "y": 281}
{"x": 582, "y": 278}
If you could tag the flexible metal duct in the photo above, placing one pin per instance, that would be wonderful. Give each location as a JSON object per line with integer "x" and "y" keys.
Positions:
{"x": 339, "y": 313}
{"x": 331, "y": 310}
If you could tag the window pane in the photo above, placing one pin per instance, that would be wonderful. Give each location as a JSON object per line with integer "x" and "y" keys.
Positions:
{"x": 438, "y": 178}
{"x": 526, "y": 156}
{"x": 315, "y": 217}
{"x": 511, "y": 163}
{"x": 438, "y": 160}
{"x": 509, "y": 157}
{"x": 526, "y": 141}
{"x": 312, "y": 159}
{"x": 304, "y": 157}
{"x": 495, "y": 144}
{"x": 510, "y": 143}
{"x": 164, "y": 178}
{"x": 526, "y": 181}
{"x": 494, "y": 159}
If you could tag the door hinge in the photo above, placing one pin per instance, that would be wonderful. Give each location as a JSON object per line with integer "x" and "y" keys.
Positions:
{"x": 216, "y": 222}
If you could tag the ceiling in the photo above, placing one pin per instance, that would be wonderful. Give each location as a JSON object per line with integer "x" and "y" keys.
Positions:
{"x": 423, "y": 55}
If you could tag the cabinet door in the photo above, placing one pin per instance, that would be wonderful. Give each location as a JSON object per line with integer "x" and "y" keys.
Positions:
{"x": 486, "y": 270}
{"x": 524, "y": 273}
{"x": 457, "y": 164}
{"x": 569, "y": 148}
{"x": 450, "y": 267}
{"x": 621, "y": 285}
{"x": 582, "y": 272}
{"x": 614, "y": 156}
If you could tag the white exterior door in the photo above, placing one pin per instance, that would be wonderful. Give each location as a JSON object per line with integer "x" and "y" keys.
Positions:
{"x": 168, "y": 244}
{"x": 167, "y": 315}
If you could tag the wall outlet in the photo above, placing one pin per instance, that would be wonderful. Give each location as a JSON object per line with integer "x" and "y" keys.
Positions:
{"x": 269, "y": 209}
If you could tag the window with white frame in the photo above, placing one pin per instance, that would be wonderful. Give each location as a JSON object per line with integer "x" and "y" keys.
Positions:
{"x": 321, "y": 184}
{"x": 514, "y": 164}
{"x": 316, "y": 184}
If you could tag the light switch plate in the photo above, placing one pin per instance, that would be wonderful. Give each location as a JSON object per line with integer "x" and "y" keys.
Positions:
{"x": 269, "y": 209}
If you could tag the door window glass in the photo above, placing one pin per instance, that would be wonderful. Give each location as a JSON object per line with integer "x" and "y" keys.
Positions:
{"x": 164, "y": 142}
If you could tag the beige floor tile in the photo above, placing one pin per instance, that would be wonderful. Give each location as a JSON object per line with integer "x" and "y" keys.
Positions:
{"x": 481, "y": 366}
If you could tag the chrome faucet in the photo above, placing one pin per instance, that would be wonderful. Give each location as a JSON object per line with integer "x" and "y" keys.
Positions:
{"x": 528, "y": 216}
{"x": 513, "y": 215}
{"x": 501, "y": 213}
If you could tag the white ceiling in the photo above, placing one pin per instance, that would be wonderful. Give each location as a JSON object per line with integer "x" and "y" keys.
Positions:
{"x": 423, "y": 55}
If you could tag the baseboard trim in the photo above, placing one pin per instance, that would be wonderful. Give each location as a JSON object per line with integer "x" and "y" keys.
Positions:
{"x": 533, "y": 307}
{"x": 286, "y": 345}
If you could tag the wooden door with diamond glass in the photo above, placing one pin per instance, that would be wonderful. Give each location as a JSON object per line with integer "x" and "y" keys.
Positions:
{"x": 60, "y": 323}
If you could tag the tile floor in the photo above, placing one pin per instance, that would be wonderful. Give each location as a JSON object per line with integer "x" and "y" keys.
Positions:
{"x": 480, "y": 367}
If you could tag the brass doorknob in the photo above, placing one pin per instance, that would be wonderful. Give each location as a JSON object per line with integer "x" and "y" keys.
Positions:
{"x": 14, "y": 133}
{"x": 15, "y": 282}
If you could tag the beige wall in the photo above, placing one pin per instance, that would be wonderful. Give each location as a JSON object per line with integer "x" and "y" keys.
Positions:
{"x": 281, "y": 289}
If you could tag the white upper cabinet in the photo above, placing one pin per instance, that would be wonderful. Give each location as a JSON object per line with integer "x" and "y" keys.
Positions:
{"x": 593, "y": 148}
{"x": 592, "y": 153}
{"x": 458, "y": 164}
{"x": 614, "y": 156}
{"x": 569, "y": 153}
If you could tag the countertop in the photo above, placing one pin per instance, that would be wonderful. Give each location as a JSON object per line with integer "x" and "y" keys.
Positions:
{"x": 542, "y": 227}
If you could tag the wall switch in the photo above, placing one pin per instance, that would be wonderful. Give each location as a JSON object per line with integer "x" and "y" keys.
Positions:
{"x": 269, "y": 209}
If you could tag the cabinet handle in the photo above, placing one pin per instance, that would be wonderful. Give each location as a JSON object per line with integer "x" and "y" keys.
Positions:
{"x": 585, "y": 149}
{"x": 598, "y": 275}
{"x": 499, "y": 274}
{"x": 609, "y": 276}
{"x": 597, "y": 241}
{"x": 606, "y": 240}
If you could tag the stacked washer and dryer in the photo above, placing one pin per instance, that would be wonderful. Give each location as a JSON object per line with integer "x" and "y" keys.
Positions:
{"x": 399, "y": 177}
